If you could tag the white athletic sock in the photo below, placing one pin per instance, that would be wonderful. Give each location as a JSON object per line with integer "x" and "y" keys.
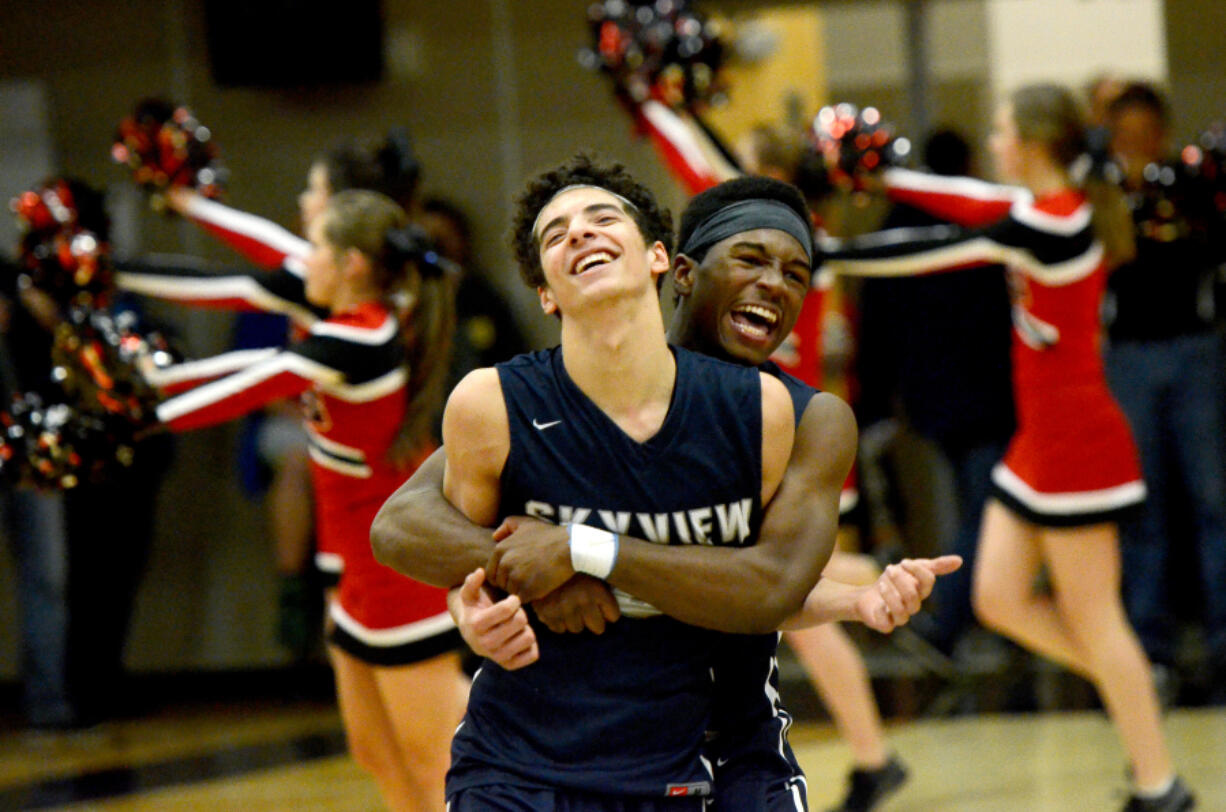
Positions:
{"x": 1150, "y": 793}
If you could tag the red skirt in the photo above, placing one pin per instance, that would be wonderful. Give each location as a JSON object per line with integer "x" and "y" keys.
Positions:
{"x": 1072, "y": 461}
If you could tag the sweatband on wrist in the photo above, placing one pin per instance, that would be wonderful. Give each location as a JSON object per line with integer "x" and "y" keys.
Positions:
{"x": 592, "y": 551}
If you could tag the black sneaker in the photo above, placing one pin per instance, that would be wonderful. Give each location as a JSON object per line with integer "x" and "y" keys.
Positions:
{"x": 1176, "y": 799}
{"x": 871, "y": 787}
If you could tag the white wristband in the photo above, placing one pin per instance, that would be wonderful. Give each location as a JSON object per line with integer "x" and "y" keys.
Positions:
{"x": 592, "y": 551}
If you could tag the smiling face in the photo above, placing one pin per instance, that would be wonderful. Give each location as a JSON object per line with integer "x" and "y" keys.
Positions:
{"x": 591, "y": 248}
{"x": 742, "y": 300}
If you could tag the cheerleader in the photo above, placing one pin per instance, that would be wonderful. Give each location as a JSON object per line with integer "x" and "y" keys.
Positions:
{"x": 370, "y": 376}
{"x": 389, "y": 167}
{"x": 1071, "y": 468}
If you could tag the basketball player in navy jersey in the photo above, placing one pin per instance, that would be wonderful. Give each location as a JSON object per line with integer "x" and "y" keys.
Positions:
{"x": 758, "y": 280}
{"x": 611, "y": 424}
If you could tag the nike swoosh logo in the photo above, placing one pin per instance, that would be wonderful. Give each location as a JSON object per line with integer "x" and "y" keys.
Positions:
{"x": 543, "y": 426}
{"x": 719, "y": 762}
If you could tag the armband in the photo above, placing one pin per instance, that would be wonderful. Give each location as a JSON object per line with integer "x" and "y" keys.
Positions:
{"x": 592, "y": 551}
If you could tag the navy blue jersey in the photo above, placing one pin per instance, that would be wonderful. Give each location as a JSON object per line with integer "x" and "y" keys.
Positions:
{"x": 800, "y": 391}
{"x": 748, "y": 736}
{"x": 622, "y": 713}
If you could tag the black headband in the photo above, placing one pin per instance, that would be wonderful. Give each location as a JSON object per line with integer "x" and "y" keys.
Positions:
{"x": 747, "y": 215}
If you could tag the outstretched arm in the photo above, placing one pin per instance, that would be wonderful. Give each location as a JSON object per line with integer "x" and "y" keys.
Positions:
{"x": 188, "y": 281}
{"x": 884, "y": 605}
{"x": 260, "y": 240}
{"x": 746, "y": 590}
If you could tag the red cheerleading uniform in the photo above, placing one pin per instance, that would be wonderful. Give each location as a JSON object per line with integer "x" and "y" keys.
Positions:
{"x": 1072, "y": 460}
{"x": 348, "y": 370}
{"x": 281, "y": 289}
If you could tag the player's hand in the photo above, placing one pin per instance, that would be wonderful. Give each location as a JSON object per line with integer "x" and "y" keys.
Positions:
{"x": 582, "y": 603}
{"x": 898, "y": 594}
{"x": 496, "y": 630}
{"x": 531, "y": 558}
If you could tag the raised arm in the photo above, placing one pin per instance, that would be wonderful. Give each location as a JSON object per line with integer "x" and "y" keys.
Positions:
{"x": 747, "y": 589}
{"x": 683, "y": 146}
{"x": 966, "y": 201}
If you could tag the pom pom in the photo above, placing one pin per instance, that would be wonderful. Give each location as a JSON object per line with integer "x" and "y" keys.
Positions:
{"x": 856, "y": 143}
{"x": 63, "y": 249}
{"x": 657, "y": 49}
{"x": 100, "y": 359}
{"x": 165, "y": 146}
{"x": 58, "y": 446}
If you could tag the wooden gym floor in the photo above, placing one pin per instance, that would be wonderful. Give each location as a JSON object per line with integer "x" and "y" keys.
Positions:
{"x": 275, "y": 754}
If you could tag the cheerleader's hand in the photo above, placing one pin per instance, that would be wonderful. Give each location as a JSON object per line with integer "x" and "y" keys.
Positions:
{"x": 179, "y": 198}
{"x": 497, "y": 630}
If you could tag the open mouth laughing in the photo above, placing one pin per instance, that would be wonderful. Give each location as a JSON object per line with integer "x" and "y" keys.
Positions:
{"x": 596, "y": 259}
{"x": 755, "y": 321}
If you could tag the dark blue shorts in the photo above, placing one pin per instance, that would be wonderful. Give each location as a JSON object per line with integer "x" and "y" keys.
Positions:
{"x": 749, "y": 792}
{"x": 504, "y": 798}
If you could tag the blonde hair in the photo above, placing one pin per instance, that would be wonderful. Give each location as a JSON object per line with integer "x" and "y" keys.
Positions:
{"x": 1049, "y": 114}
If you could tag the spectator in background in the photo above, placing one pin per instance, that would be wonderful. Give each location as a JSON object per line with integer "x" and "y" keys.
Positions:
{"x": 934, "y": 351}
{"x": 1165, "y": 366}
{"x": 1100, "y": 92}
{"x": 34, "y": 523}
{"x": 82, "y": 552}
{"x": 110, "y": 527}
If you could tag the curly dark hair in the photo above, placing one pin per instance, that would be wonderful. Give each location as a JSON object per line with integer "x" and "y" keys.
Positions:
{"x": 708, "y": 202}
{"x": 654, "y": 221}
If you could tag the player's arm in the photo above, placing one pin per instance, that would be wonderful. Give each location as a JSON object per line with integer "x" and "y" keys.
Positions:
{"x": 753, "y": 589}
{"x": 476, "y": 442}
{"x": 420, "y": 534}
{"x": 887, "y": 603}
{"x": 748, "y": 589}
